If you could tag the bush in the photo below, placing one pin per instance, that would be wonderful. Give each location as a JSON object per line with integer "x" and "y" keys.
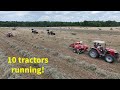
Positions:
{"x": 73, "y": 33}
{"x": 55, "y": 54}
{"x": 99, "y": 29}
{"x": 111, "y": 28}
{"x": 35, "y": 46}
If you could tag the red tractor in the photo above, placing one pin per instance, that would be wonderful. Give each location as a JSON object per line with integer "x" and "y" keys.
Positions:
{"x": 79, "y": 47}
{"x": 99, "y": 50}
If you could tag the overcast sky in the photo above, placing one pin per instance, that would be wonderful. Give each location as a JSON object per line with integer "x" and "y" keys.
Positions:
{"x": 59, "y": 15}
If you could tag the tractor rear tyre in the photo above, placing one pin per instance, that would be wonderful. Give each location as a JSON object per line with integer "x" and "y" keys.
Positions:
{"x": 93, "y": 53}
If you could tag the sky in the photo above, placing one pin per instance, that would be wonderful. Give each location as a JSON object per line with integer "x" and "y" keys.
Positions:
{"x": 64, "y": 16}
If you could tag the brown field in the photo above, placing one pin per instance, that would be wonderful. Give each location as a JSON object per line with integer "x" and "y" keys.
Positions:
{"x": 63, "y": 63}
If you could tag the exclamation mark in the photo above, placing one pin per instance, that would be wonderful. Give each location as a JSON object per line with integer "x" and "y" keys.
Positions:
{"x": 43, "y": 69}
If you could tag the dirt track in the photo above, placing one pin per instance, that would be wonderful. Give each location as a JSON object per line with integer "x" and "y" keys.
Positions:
{"x": 63, "y": 63}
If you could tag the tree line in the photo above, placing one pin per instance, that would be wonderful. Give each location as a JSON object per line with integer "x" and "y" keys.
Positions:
{"x": 56, "y": 24}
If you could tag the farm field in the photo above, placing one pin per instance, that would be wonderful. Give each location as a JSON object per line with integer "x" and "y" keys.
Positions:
{"x": 63, "y": 63}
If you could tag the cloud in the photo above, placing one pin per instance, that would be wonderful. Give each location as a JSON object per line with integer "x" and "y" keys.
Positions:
{"x": 59, "y": 15}
{"x": 44, "y": 18}
{"x": 95, "y": 12}
{"x": 116, "y": 11}
{"x": 48, "y": 12}
{"x": 21, "y": 13}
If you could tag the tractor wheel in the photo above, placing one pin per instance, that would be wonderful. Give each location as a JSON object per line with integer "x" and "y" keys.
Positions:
{"x": 80, "y": 51}
{"x": 93, "y": 53}
{"x": 109, "y": 58}
{"x": 75, "y": 50}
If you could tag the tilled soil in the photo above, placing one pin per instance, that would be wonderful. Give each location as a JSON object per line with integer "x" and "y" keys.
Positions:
{"x": 63, "y": 63}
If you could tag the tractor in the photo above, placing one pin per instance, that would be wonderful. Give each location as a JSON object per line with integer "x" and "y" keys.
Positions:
{"x": 34, "y": 31}
{"x": 99, "y": 50}
{"x": 50, "y": 32}
{"x": 79, "y": 47}
{"x": 9, "y": 35}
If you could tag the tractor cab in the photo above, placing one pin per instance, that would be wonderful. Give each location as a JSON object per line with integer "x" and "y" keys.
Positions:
{"x": 99, "y": 44}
